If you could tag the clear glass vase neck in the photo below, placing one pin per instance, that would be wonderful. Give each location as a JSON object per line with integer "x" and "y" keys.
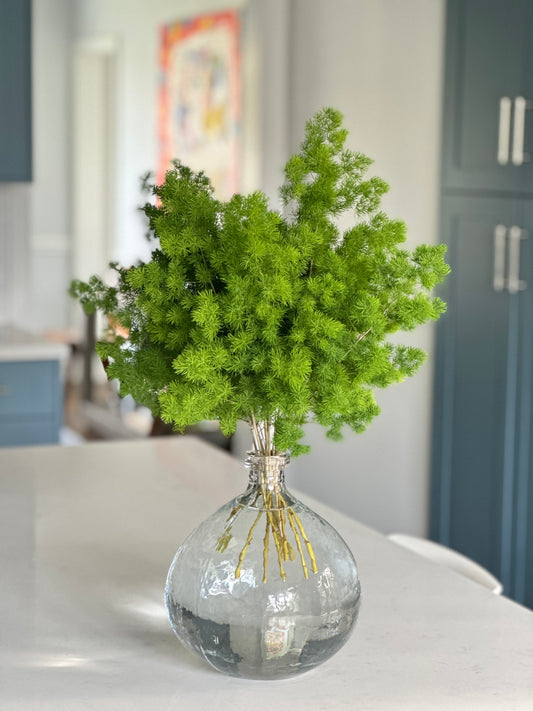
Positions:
{"x": 266, "y": 481}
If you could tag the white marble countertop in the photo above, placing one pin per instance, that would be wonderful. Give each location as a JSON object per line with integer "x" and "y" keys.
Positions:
{"x": 17, "y": 345}
{"x": 87, "y": 534}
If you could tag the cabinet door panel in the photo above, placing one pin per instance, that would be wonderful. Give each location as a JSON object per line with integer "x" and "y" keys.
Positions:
{"x": 15, "y": 90}
{"x": 30, "y": 432}
{"x": 476, "y": 374}
{"x": 29, "y": 389}
{"x": 522, "y": 529}
{"x": 487, "y": 58}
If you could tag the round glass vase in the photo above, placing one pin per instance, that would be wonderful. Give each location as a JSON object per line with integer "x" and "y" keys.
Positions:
{"x": 264, "y": 588}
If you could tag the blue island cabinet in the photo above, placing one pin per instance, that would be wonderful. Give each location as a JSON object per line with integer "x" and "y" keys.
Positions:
{"x": 31, "y": 402}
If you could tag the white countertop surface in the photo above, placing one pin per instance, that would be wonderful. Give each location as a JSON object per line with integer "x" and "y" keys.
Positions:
{"x": 86, "y": 537}
{"x": 17, "y": 345}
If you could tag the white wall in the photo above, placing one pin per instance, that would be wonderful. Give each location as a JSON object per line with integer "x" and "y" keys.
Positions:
{"x": 50, "y": 193}
{"x": 14, "y": 252}
{"x": 381, "y": 63}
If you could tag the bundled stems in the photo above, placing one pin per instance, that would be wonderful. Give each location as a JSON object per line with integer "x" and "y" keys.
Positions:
{"x": 262, "y": 436}
{"x": 277, "y": 515}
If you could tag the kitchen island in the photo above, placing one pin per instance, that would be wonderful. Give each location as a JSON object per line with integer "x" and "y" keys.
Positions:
{"x": 87, "y": 535}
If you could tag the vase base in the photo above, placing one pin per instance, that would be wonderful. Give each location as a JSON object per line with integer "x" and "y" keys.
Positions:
{"x": 276, "y": 651}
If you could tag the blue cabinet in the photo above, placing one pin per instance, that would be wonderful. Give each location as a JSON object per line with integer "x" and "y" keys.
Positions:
{"x": 30, "y": 402}
{"x": 482, "y": 488}
{"x": 488, "y": 117}
{"x": 15, "y": 90}
{"x": 483, "y": 399}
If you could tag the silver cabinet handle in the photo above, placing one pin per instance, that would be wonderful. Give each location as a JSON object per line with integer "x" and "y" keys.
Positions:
{"x": 519, "y": 127}
{"x": 499, "y": 257}
{"x": 518, "y": 130}
{"x": 504, "y": 130}
{"x": 514, "y": 283}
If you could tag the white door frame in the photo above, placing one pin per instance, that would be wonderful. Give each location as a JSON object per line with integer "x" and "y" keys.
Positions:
{"x": 94, "y": 151}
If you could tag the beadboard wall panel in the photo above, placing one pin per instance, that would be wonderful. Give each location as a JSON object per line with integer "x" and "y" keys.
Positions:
{"x": 14, "y": 251}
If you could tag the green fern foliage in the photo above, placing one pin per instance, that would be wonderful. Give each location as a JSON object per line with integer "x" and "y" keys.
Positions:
{"x": 243, "y": 313}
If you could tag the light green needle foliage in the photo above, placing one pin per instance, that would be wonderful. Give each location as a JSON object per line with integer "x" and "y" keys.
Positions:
{"x": 243, "y": 313}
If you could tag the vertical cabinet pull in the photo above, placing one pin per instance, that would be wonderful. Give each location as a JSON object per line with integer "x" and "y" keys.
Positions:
{"x": 514, "y": 283}
{"x": 504, "y": 130}
{"x": 518, "y": 130}
{"x": 519, "y": 126}
{"x": 499, "y": 257}
{"x": 518, "y": 155}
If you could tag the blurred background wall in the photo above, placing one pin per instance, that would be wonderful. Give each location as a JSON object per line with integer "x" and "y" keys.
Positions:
{"x": 379, "y": 61}
{"x": 383, "y": 68}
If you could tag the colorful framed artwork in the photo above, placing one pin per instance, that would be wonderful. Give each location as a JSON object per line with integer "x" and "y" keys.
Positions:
{"x": 200, "y": 98}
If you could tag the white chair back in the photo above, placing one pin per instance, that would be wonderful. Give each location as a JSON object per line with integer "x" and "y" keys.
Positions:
{"x": 451, "y": 559}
